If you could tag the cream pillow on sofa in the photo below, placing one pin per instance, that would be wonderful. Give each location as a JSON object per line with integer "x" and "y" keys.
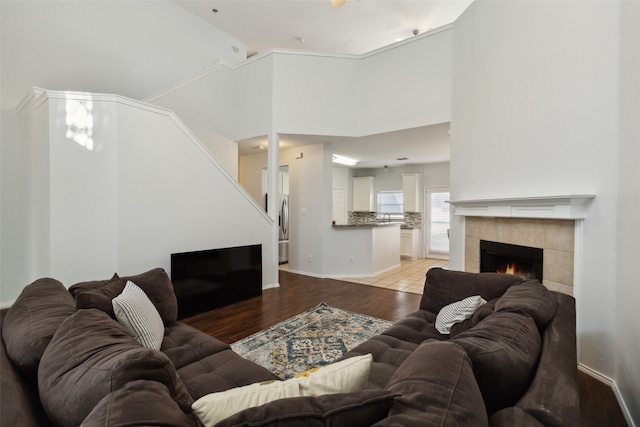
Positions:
{"x": 457, "y": 312}
{"x": 135, "y": 311}
{"x": 346, "y": 376}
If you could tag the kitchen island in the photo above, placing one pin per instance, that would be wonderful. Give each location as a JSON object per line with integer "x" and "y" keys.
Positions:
{"x": 362, "y": 250}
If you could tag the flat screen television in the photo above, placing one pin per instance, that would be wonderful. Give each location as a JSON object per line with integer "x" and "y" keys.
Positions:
{"x": 208, "y": 279}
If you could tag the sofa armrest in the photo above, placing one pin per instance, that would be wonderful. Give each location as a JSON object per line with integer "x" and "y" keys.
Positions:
{"x": 19, "y": 401}
{"x": 552, "y": 397}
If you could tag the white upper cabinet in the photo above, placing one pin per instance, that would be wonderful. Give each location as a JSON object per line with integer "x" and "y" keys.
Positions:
{"x": 410, "y": 192}
{"x": 363, "y": 200}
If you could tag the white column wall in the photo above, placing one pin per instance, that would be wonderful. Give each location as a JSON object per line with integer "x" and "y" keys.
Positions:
{"x": 307, "y": 208}
{"x": 535, "y": 102}
{"x": 32, "y": 258}
{"x": 83, "y": 196}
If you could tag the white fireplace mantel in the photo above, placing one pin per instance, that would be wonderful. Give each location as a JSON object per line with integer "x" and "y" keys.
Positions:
{"x": 546, "y": 207}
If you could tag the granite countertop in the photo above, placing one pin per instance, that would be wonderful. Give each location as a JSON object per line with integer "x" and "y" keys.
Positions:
{"x": 369, "y": 225}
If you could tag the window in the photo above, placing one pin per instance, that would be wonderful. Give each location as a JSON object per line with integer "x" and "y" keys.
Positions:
{"x": 390, "y": 202}
{"x": 438, "y": 220}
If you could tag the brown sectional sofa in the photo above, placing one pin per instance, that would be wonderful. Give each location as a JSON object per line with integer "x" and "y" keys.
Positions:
{"x": 66, "y": 361}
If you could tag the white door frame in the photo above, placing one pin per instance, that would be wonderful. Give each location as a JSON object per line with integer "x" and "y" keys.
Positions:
{"x": 426, "y": 238}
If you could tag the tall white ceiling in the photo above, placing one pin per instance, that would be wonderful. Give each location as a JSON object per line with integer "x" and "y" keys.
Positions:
{"x": 357, "y": 27}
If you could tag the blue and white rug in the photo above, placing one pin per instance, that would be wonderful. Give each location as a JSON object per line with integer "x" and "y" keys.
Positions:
{"x": 314, "y": 338}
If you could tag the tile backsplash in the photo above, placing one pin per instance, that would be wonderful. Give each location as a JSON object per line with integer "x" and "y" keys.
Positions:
{"x": 360, "y": 218}
{"x": 412, "y": 219}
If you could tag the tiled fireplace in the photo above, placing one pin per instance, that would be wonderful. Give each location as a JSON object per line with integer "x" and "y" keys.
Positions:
{"x": 547, "y": 227}
{"x": 554, "y": 237}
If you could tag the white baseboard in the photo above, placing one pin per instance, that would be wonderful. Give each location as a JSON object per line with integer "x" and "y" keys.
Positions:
{"x": 616, "y": 392}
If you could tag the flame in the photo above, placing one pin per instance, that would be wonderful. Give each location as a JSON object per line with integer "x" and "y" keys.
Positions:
{"x": 511, "y": 269}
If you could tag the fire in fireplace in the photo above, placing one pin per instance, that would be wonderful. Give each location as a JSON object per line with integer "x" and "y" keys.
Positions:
{"x": 523, "y": 261}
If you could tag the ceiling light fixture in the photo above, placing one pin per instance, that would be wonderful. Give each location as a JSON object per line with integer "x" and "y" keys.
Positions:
{"x": 344, "y": 160}
{"x": 337, "y": 3}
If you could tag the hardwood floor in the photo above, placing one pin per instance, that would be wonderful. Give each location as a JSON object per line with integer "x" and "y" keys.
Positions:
{"x": 297, "y": 293}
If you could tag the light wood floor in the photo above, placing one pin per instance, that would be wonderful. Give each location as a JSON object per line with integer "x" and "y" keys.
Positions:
{"x": 408, "y": 277}
{"x": 297, "y": 293}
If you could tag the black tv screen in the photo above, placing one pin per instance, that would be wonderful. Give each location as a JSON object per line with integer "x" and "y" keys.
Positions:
{"x": 208, "y": 279}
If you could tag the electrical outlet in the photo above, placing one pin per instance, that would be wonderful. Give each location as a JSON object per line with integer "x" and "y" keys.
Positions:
{"x": 350, "y": 260}
{"x": 309, "y": 258}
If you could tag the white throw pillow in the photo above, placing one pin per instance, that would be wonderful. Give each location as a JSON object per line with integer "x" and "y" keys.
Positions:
{"x": 135, "y": 311}
{"x": 457, "y": 312}
{"x": 346, "y": 376}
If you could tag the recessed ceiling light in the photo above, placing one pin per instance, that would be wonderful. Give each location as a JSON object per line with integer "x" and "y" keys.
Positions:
{"x": 344, "y": 160}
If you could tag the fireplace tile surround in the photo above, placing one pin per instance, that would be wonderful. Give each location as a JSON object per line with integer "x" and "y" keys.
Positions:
{"x": 555, "y": 237}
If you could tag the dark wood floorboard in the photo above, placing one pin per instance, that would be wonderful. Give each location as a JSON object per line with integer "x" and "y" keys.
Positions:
{"x": 598, "y": 405}
{"x": 297, "y": 293}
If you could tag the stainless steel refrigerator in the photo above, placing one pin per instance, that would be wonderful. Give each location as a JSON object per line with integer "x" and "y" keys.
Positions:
{"x": 283, "y": 235}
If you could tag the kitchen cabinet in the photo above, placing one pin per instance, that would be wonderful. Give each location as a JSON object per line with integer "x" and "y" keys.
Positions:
{"x": 363, "y": 200}
{"x": 410, "y": 243}
{"x": 411, "y": 192}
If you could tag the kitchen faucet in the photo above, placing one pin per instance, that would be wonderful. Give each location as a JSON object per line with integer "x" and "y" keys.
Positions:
{"x": 387, "y": 215}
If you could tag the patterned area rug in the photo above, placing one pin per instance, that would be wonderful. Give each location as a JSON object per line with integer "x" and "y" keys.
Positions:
{"x": 314, "y": 338}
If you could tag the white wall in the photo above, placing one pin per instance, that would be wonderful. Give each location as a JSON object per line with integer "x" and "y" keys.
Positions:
{"x": 535, "y": 105}
{"x": 253, "y": 98}
{"x": 306, "y": 87}
{"x": 97, "y": 46}
{"x": 143, "y": 192}
{"x": 408, "y": 86}
{"x": 206, "y": 106}
{"x": 309, "y": 207}
{"x": 627, "y": 291}
{"x": 127, "y": 47}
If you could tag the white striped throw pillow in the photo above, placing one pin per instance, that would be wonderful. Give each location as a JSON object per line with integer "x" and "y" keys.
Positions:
{"x": 137, "y": 314}
{"x": 457, "y": 312}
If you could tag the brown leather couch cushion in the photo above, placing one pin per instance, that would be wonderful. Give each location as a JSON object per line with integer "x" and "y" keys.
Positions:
{"x": 532, "y": 298}
{"x": 416, "y": 327}
{"x": 443, "y": 287}
{"x": 362, "y": 408}
{"x": 504, "y": 349}
{"x": 92, "y": 355}
{"x": 483, "y": 311}
{"x": 388, "y": 354}
{"x": 32, "y": 321}
{"x": 139, "y": 403}
{"x": 436, "y": 387}
{"x": 206, "y": 364}
{"x": 155, "y": 283}
{"x": 98, "y": 294}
